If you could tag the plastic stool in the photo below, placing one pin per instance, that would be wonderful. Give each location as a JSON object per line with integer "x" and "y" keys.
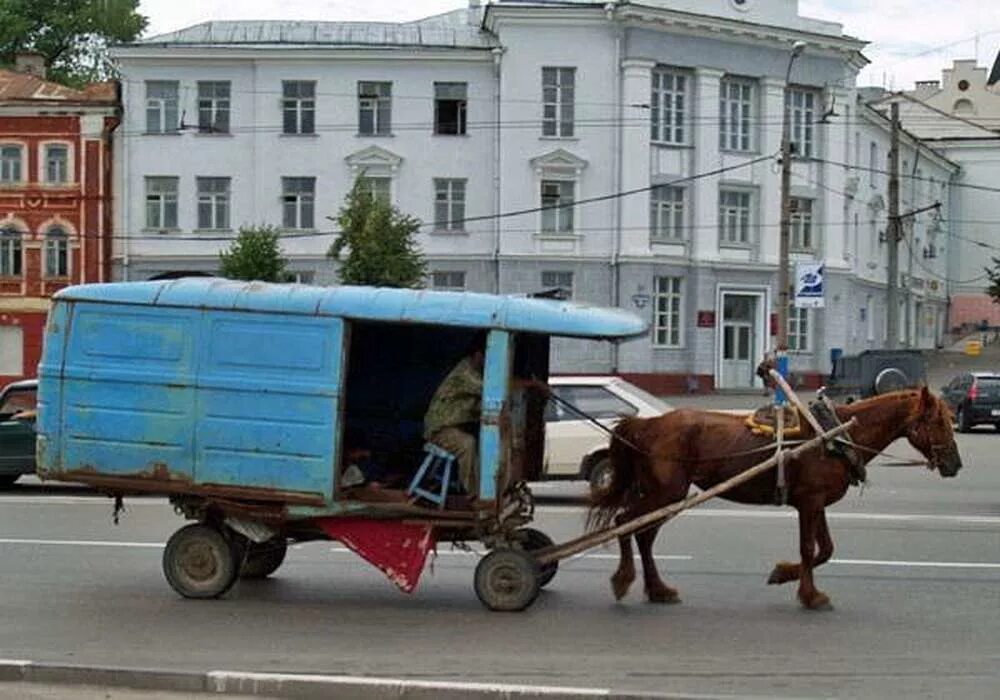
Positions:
{"x": 436, "y": 468}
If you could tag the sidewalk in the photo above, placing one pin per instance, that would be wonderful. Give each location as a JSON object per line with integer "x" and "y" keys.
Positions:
{"x": 942, "y": 365}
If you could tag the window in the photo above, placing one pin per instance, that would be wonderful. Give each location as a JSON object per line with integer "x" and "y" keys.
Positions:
{"x": 802, "y": 224}
{"x": 56, "y": 253}
{"x": 374, "y": 108}
{"x": 558, "y": 279}
{"x": 298, "y": 196}
{"x": 736, "y": 98}
{"x": 10, "y": 164}
{"x": 450, "y": 100}
{"x": 667, "y": 312}
{"x": 10, "y": 252}
{"x": 378, "y": 187}
{"x": 213, "y": 202}
{"x": 734, "y": 216}
{"x": 595, "y": 401}
{"x": 448, "y": 280}
{"x": 449, "y": 205}
{"x": 56, "y": 163}
{"x": 298, "y": 106}
{"x": 669, "y": 106}
{"x": 798, "y": 330}
{"x": 17, "y": 400}
{"x": 213, "y": 106}
{"x": 161, "y": 202}
{"x": 161, "y": 106}
{"x": 557, "y": 209}
{"x": 801, "y": 107}
{"x": 558, "y": 101}
{"x": 666, "y": 213}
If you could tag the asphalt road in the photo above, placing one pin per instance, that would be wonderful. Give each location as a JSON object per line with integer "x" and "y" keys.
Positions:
{"x": 915, "y": 582}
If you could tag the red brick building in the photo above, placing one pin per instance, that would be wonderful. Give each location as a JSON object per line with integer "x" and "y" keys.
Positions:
{"x": 55, "y": 201}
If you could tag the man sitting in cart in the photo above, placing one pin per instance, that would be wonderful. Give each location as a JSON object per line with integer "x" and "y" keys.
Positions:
{"x": 453, "y": 416}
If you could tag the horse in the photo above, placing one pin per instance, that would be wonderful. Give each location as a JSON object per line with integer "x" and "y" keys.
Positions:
{"x": 655, "y": 461}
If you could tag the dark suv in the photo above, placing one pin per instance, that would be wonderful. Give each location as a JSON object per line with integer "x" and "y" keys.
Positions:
{"x": 975, "y": 399}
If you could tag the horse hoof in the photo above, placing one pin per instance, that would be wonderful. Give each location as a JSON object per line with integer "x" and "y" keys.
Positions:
{"x": 667, "y": 597}
{"x": 818, "y": 603}
{"x": 620, "y": 586}
{"x": 783, "y": 572}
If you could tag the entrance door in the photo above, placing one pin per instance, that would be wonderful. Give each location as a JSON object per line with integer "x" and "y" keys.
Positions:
{"x": 739, "y": 340}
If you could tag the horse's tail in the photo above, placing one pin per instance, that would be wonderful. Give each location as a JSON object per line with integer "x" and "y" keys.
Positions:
{"x": 606, "y": 503}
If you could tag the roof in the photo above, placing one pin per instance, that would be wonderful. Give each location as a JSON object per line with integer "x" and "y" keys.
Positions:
{"x": 514, "y": 313}
{"x": 25, "y": 87}
{"x": 457, "y": 29}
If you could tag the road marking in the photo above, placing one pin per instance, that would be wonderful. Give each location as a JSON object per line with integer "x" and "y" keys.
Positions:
{"x": 791, "y": 514}
{"x": 918, "y": 564}
{"x": 83, "y": 543}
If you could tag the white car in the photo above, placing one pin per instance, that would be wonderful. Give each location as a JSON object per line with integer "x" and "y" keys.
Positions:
{"x": 575, "y": 448}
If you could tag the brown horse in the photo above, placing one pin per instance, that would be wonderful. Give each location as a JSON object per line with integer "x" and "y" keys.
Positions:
{"x": 655, "y": 461}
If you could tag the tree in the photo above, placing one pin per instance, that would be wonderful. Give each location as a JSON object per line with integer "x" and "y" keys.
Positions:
{"x": 993, "y": 273}
{"x": 254, "y": 255}
{"x": 376, "y": 245}
{"x": 72, "y": 35}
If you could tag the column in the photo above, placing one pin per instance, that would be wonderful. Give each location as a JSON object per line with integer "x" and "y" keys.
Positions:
{"x": 703, "y": 194}
{"x": 636, "y": 154}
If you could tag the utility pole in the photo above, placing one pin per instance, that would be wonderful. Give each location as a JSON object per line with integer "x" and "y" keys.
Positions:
{"x": 893, "y": 236}
{"x": 786, "y": 223}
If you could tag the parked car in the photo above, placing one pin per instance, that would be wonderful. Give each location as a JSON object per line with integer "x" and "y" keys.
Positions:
{"x": 874, "y": 372}
{"x": 574, "y": 447}
{"x": 18, "y": 402}
{"x": 975, "y": 399}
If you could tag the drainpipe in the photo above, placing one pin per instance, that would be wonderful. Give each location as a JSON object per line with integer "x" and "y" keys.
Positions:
{"x": 107, "y": 238}
{"x": 125, "y": 202}
{"x": 610, "y": 11}
{"x": 497, "y": 56}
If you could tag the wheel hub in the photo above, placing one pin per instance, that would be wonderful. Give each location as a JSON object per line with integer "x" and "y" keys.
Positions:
{"x": 198, "y": 561}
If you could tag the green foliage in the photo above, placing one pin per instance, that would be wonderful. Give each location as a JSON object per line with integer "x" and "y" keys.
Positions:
{"x": 72, "y": 35}
{"x": 254, "y": 255}
{"x": 376, "y": 245}
{"x": 993, "y": 273}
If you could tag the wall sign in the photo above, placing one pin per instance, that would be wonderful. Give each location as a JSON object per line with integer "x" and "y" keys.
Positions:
{"x": 706, "y": 319}
{"x": 809, "y": 286}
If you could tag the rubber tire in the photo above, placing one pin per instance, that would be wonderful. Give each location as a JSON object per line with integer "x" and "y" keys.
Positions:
{"x": 961, "y": 421}
{"x": 199, "y": 562}
{"x": 507, "y": 580}
{"x": 263, "y": 559}
{"x": 7, "y": 480}
{"x": 600, "y": 475}
{"x": 533, "y": 540}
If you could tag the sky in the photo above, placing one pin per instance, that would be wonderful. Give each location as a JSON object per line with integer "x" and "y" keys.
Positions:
{"x": 910, "y": 39}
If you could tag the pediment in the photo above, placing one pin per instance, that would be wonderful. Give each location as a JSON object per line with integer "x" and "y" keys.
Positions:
{"x": 559, "y": 160}
{"x": 374, "y": 157}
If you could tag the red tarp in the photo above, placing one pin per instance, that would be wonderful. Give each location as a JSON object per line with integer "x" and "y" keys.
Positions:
{"x": 399, "y": 550}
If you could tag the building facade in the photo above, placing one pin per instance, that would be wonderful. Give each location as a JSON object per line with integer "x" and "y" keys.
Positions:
{"x": 959, "y": 117}
{"x": 55, "y": 201}
{"x": 624, "y": 152}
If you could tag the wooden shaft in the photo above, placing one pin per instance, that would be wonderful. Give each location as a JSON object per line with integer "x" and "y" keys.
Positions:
{"x": 593, "y": 539}
{"x": 799, "y": 403}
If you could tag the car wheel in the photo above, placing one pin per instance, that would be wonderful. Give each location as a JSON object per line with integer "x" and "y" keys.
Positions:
{"x": 600, "y": 475}
{"x": 7, "y": 480}
{"x": 962, "y": 421}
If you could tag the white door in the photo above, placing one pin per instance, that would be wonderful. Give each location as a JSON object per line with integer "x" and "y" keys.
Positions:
{"x": 739, "y": 340}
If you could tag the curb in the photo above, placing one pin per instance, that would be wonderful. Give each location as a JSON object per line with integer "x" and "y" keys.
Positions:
{"x": 304, "y": 686}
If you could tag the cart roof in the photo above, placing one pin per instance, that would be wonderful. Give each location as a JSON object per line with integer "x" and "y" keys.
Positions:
{"x": 514, "y": 313}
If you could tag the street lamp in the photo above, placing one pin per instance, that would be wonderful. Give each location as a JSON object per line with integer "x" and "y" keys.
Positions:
{"x": 786, "y": 217}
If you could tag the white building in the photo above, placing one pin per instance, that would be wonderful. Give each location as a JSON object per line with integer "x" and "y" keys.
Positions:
{"x": 959, "y": 116}
{"x": 467, "y": 118}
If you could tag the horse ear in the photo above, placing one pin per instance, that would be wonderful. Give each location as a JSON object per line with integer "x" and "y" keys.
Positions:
{"x": 926, "y": 399}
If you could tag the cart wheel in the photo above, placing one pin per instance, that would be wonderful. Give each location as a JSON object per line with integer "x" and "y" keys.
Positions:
{"x": 199, "y": 562}
{"x": 507, "y": 580}
{"x": 533, "y": 540}
{"x": 263, "y": 559}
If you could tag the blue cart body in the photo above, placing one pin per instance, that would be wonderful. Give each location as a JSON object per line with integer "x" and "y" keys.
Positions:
{"x": 242, "y": 391}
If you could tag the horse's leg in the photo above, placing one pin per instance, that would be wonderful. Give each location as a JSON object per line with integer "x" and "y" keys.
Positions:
{"x": 656, "y": 590}
{"x": 810, "y": 515}
{"x": 623, "y": 577}
{"x": 785, "y": 571}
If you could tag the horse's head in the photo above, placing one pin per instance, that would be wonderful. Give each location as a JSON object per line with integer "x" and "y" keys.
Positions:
{"x": 930, "y": 432}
